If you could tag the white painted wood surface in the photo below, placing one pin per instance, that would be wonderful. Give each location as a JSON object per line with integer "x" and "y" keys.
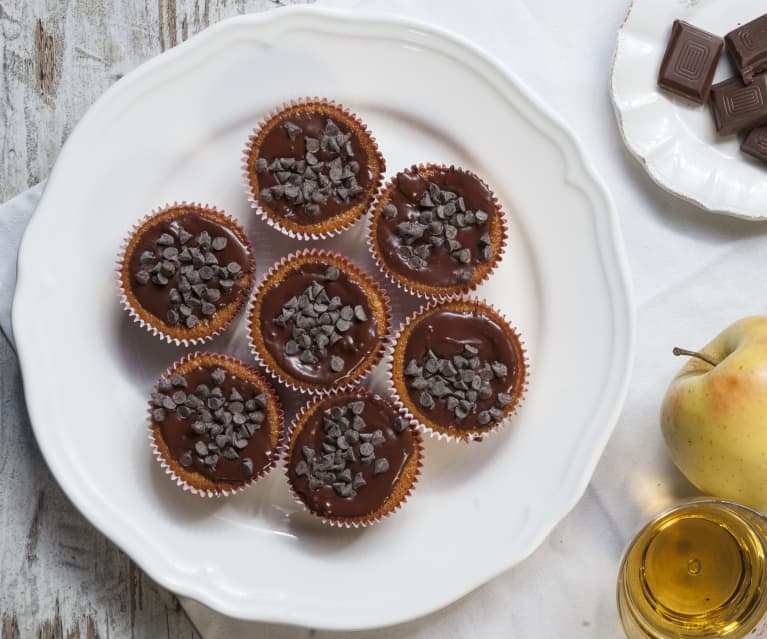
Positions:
{"x": 59, "y": 577}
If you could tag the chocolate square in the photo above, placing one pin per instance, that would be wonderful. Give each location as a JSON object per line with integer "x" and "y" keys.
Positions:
{"x": 747, "y": 47}
{"x": 737, "y": 106}
{"x": 755, "y": 144}
{"x": 690, "y": 62}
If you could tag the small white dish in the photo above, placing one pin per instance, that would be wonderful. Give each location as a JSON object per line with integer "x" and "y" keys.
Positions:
{"x": 174, "y": 129}
{"x": 676, "y": 140}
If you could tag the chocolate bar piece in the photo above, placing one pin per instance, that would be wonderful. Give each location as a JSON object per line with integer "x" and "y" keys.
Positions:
{"x": 690, "y": 61}
{"x": 755, "y": 144}
{"x": 747, "y": 46}
{"x": 737, "y": 106}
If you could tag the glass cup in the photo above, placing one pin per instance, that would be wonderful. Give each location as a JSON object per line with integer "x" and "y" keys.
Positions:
{"x": 698, "y": 570}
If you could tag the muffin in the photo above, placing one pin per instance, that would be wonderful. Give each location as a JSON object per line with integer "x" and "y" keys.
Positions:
{"x": 459, "y": 369}
{"x": 351, "y": 458}
{"x": 215, "y": 424}
{"x": 437, "y": 231}
{"x": 185, "y": 272}
{"x": 312, "y": 168}
{"x": 318, "y": 322}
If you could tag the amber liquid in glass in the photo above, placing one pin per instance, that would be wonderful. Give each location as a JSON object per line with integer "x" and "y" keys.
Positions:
{"x": 698, "y": 570}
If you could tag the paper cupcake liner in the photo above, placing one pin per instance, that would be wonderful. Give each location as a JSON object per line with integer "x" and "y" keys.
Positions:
{"x": 465, "y": 436}
{"x": 153, "y": 324}
{"x": 387, "y": 509}
{"x": 334, "y": 225}
{"x": 342, "y": 263}
{"x": 424, "y": 291}
{"x": 225, "y": 490}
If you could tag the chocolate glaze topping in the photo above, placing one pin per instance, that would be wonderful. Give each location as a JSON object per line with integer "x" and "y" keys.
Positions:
{"x": 355, "y": 476}
{"x": 317, "y": 165}
{"x": 436, "y": 241}
{"x": 449, "y": 334}
{"x": 355, "y": 343}
{"x": 165, "y": 276}
{"x": 202, "y": 430}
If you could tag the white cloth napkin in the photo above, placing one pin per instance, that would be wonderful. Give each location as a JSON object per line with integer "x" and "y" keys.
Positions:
{"x": 694, "y": 273}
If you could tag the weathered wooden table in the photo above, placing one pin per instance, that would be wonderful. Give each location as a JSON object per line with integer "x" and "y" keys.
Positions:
{"x": 59, "y": 577}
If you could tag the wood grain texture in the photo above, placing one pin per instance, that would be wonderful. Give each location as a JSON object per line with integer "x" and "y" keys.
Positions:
{"x": 59, "y": 577}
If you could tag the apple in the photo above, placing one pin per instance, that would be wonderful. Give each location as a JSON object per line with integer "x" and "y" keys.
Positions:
{"x": 714, "y": 414}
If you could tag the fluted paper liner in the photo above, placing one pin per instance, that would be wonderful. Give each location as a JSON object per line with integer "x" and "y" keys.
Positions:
{"x": 338, "y": 223}
{"x": 193, "y": 481}
{"x": 377, "y": 298}
{"x": 396, "y": 366}
{"x": 206, "y": 329}
{"x": 498, "y": 239}
{"x": 401, "y": 491}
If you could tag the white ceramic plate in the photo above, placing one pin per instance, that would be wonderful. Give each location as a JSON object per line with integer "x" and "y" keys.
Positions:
{"x": 174, "y": 129}
{"x": 675, "y": 140}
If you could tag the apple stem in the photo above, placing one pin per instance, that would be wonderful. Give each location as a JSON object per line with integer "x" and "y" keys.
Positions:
{"x": 682, "y": 351}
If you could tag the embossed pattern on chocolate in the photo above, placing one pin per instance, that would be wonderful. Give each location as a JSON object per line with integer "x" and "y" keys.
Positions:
{"x": 737, "y": 106}
{"x": 690, "y": 61}
{"x": 747, "y": 48}
{"x": 755, "y": 144}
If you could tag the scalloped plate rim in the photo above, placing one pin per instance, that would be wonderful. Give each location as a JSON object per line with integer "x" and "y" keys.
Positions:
{"x": 579, "y": 172}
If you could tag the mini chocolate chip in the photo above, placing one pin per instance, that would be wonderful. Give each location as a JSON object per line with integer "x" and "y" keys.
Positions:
{"x": 302, "y": 468}
{"x": 431, "y": 365}
{"x": 158, "y": 414}
{"x": 366, "y": 449}
{"x": 381, "y": 466}
{"x": 356, "y": 407}
{"x": 496, "y": 413}
{"x": 233, "y": 268}
{"x": 399, "y": 424}
{"x": 293, "y": 130}
{"x": 389, "y": 211}
{"x": 343, "y": 325}
{"x": 208, "y": 309}
{"x": 504, "y": 399}
{"x": 183, "y": 412}
{"x": 166, "y": 239}
{"x": 168, "y": 403}
{"x": 423, "y": 251}
{"x": 142, "y": 277}
{"x": 483, "y": 418}
{"x": 480, "y": 216}
{"x": 191, "y": 321}
{"x": 463, "y": 277}
{"x": 499, "y": 369}
{"x": 412, "y": 369}
{"x": 199, "y": 427}
{"x": 461, "y": 412}
{"x": 211, "y": 460}
{"x": 487, "y": 253}
{"x": 186, "y": 459}
{"x": 201, "y": 448}
{"x": 358, "y": 481}
{"x": 291, "y": 348}
{"x": 172, "y": 317}
{"x": 463, "y": 256}
{"x": 336, "y": 364}
{"x": 261, "y": 165}
{"x": 307, "y": 357}
{"x": 378, "y": 438}
{"x": 218, "y": 376}
{"x": 485, "y": 391}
